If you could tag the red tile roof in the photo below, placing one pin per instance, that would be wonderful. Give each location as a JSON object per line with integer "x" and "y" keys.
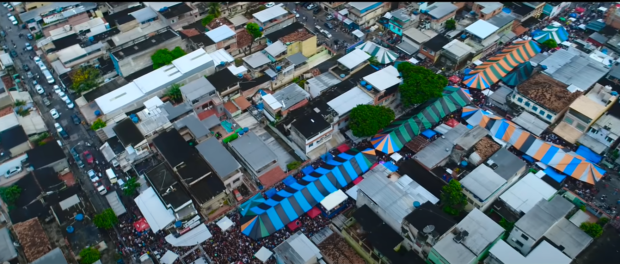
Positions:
{"x": 272, "y": 177}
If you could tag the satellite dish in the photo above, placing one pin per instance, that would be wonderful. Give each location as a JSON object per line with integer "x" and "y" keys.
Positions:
{"x": 428, "y": 229}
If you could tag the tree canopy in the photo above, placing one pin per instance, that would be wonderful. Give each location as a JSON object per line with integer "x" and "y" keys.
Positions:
{"x": 592, "y": 229}
{"x": 255, "y": 32}
{"x": 550, "y": 43}
{"x": 214, "y": 9}
{"x": 106, "y": 219}
{"x": 164, "y": 56}
{"x": 89, "y": 255}
{"x": 85, "y": 78}
{"x": 453, "y": 198}
{"x": 367, "y": 120}
{"x": 10, "y": 194}
{"x": 207, "y": 20}
{"x": 419, "y": 84}
{"x": 451, "y": 24}
{"x": 131, "y": 186}
{"x": 174, "y": 93}
{"x": 98, "y": 124}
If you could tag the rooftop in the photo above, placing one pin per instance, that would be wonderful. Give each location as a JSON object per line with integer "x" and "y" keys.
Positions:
{"x": 548, "y": 92}
{"x": 253, "y": 150}
{"x": 193, "y": 124}
{"x": 567, "y": 235}
{"x": 249, "y": 84}
{"x": 297, "y": 249}
{"x": 275, "y": 49}
{"x": 481, "y": 29}
{"x": 384, "y": 79}
{"x": 144, "y": 43}
{"x": 588, "y": 107}
{"x": 354, "y": 58}
{"x": 13, "y": 137}
{"x": 543, "y": 216}
{"x": 113, "y": 19}
{"x": 437, "y": 43}
{"x": 165, "y": 183}
{"x": 27, "y": 206}
{"x": 344, "y": 103}
{"x": 128, "y": 133}
{"x": 543, "y": 253}
{"x": 483, "y": 231}
{"x": 440, "y": 149}
{"x": 419, "y": 36}
{"x": 221, "y": 33}
{"x": 175, "y": 10}
{"x": 269, "y": 14}
{"x": 257, "y": 59}
{"x": 44, "y": 155}
{"x": 206, "y": 189}
{"x": 44, "y": 10}
{"x": 222, "y": 162}
{"x": 439, "y": 10}
{"x": 521, "y": 9}
{"x": 223, "y": 80}
{"x": 526, "y": 193}
{"x": 55, "y": 256}
{"x": 285, "y": 31}
{"x": 422, "y": 176}
{"x": 485, "y": 147}
{"x": 32, "y": 239}
{"x": 173, "y": 147}
{"x": 429, "y": 214}
{"x": 360, "y": 6}
{"x": 472, "y": 137}
{"x": 48, "y": 179}
{"x": 501, "y": 19}
{"x": 135, "y": 33}
{"x": 508, "y": 164}
{"x": 574, "y": 67}
{"x": 290, "y": 95}
{"x": 311, "y": 125}
{"x": 67, "y": 41}
{"x": 197, "y": 88}
{"x": 489, "y": 7}
{"x": 458, "y": 48}
{"x": 7, "y": 249}
{"x": 483, "y": 182}
{"x": 145, "y": 14}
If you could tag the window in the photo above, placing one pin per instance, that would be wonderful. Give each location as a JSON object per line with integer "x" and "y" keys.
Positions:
{"x": 520, "y": 100}
{"x": 524, "y": 237}
{"x": 610, "y": 140}
{"x": 519, "y": 243}
{"x": 311, "y": 144}
{"x": 527, "y": 104}
{"x": 593, "y": 130}
{"x": 542, "y": 112}
{"x": 569, "y": 120}
{"x": 535, "y": 108}
{"x": 549, "y": 116}
{"x": 514, "y": 96}
{"x": 580, "y": 127}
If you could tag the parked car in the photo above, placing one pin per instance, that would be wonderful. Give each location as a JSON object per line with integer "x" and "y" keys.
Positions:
{"x": 13, "y": 171}
{"x": 25, "y": 67}
{"x": 89, "y": 157}
{"x": 69, "y": 104}
{"x": 317, "y": 10}
{"x": 13, "y": 53}
{"x": 10, "y": 7}
{"x": 74, "y": 154}
{"x": 58, "y": 127}
{"x": 46, "y": 101}
{"x": 326, "y": 33}
{"x": 310, "y": 6}
{"x": 295, "y": 12}
{"x": 39, "y": 89}
{"x": 270, "y": 4}
{"x": 5, "y": 4}
{"x": 37, "y": 59}
{"x": 41, "y": 65}
{"x": 63, "y": 134}
{"x": 30, "y": 36}
{"x": 79, "y": 163}
{"x": 238, "y": 195}
{"x": 28, "y": 46}
{"x": 329, "y": 17}
{"x": 62, "y": 96}
{"x": 54, "y": 113}
{"x": 93, "y": 176}
{"x": 76, "y": 120}
{"x": 329, "y": 25}
{"x": 101, "y": 189}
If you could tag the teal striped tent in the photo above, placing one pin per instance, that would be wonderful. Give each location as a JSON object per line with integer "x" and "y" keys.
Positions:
{"x": 383, "y": 55}
{"x": 519, "y": 74}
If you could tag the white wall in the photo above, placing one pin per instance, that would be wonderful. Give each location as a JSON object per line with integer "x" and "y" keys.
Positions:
{"x": 514, "y": 97}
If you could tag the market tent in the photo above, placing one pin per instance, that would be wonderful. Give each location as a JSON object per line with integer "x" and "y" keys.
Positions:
{"x": 452, "y": 122}
{"x": 429, "y": 133}
{"x": 156, "y": 213}
{"x": 295, "y": 200}
{"x": 307, "y": 170}
{"x": 386, "y": 144}
{"x": 559, "y": 34}
{"x": 197, "y": 235}
{"x": 294, "y": 225}
{"x": 334, "y": 199}
{"x": 263, "y": 254}
{"x": 270, "y": 192}
{"x": 225, "y": 223}
{"x": 595, "y": 26}
{"x": 580, "y": 9}
{"x": 519, "y": 74}
{"x": 478, "y": 117}
{"x": 588, "y": 154}
{"x": 383, "y": 55}
{"x": 314, "y": 212}
{"x": 141, "y": 225}
{"x": 496, "y": 67}
{"x": 168, "y": 258}
{"x": 558, "y": 177}
{"x": 454, "y": 79}
{"x": 254, "y": 201}
{"x": 358, "y": 33}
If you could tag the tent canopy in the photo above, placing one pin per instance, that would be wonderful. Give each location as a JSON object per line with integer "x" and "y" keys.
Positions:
{"x": 254, "y": 201}
{"x": 298, "y": 198}
{"x": 519, "y": 74}
{"x": 155, "y": 212}
{"x": 495, "y": 68}
{"x": 314, "y": 212}
{"x": 588, "y": 154}
{"x": 197, "y": 235}
{"x": 559, "y": 34}
{"x": 334, "y": 199}
{"x": 383, "y": 55}
{"x": 263, "y": 254}
{"x": 429, "y": 133}
{"x": 225, "y": 223}
{"x": 168, "y": 258}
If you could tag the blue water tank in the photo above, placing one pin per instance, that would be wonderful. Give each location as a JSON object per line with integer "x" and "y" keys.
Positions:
{"x": 222, "y": 63}
{"x": 241, "y": 133}
{"x": 240, "y": 75}
{"x": 278, "y": 68}
{"x": 614, "y": 93}
{"x": 342, "y": 75}
{"x": 369, "y": 87}
{"x": 178, "y": 224}
{"x": 70, "y": 229}
{"x": 260, "y": 29}
{"x": 135, "y": 120}
{"x": 464, "y": 163}
{"x": 245, "y": 130}
{"x": 97, "y": 113}
{"x": 416, "y": 204}
{"x": 79, "y": 217}
{"x": 544, "y": 67}
{"x": 363, "y": 83}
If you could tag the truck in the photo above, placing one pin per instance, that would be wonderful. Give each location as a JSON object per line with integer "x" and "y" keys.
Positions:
{"x": 111, "y": 175}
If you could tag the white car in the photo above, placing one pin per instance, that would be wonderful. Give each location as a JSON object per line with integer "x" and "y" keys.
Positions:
{"x": 93, "y": 177}
{"x": 295, "y": 12}
{"x": 326, "y": 33}
{"x": 39, "y": 89}
{"x": 63, "y": 96}
{"x": 101, "y": 189}
{"x": 57, "y": 90}
{"x": 58, "y": 127}
{"x": 270, "y": 4}
{"x": 37, "y": 59}
{"x": 5, "y": 4}
{"x": 28, "y": 46}
{"x": 13, "y": 20}
{"x": 310, "y": 6}
{"x": 69, "y": 104}
{"x": 41, "y": 66}
{"x": 54, "y": 113}
{"x": 13, "y": 171}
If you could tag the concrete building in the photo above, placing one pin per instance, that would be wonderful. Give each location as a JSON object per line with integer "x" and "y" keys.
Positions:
{"x": 519, "y": 199}
{"x": 297, "y": 39}
{"x": 49, "y": 155}
{"x": 136, "y": 54}
{"x": 254, "y": 154}
{"x": 311, "y": 131}
{"x": 174, "y": 14}
{"x": 425, "y": 226}
{"x": 438, "y": 13}
{"x": 273, "y": 19}
{"x": 297, "y": 249}
{"x": 222, "y": 162}
{"x": 432, "y": 48}
{"x": 455, "y": 55}
{"x": 401, "y": 20}
{"x": 502, "y": 253}
{"x": 364, "y": 14}
{"x": 602, "y": 134}
{"x": 483, "y": 38}
{"x": 487, "y": 10}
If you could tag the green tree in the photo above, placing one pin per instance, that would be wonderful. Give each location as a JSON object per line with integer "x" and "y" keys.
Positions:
{"x": 131, "y": 186}
{"x": 19, "y": 103}
{"x": 506, "y": 225}
{"x": 293, "y": 165}
{"x": 453, "y": 198}
{"x": 85, "y": 78}
{"x": 106, "y": 219}
{"x": 177, "y": 52}
{"x": 419, "y": 84}
{"x": 602, "y": 221}
{"x": 207, "y": 20}
{"x": 214, "y": 9}
{"x": 174, "y": 93}
{"x": 592, "y": 229}
{"x": 550, "y": 43}
{"x": 164, "y": 57}
{"x": 451, "y": 24}
{"x": 89, "y": 255}
{"x": 367, "y": 120}
{"x": 98, "y": 124}
{"x": 10, "y": 194}
{"x": 255, "y": 33}
{"x": 373, "y": 61}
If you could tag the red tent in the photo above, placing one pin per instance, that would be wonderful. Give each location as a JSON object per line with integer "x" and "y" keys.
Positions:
{"x": 358, "y": 180}
{"x": 294, "y": 225}
{"x": 452, "y": 123}
{"x": 454, "y": 79}
{"x": 344, "y": 147}
{"x": 580, "y": 9}
{"x": 314, "y": 212}
{"x": 141, "y": 225}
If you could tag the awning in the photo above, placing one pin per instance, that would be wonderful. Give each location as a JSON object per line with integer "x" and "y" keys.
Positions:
{"x": 414, "y": 61}
{"x": 314, "y": 212}
{"x": 168, "y": 258}
{"x": 382, "y": 54}
{"x": 358, "y": 33}
{"x": 141, "y": 225}
{"x": 429, "y": 133}
{"x": 292, "y": 226}
{"x": 388, "y": 15}
{"x": 348, "y": 21}
{"x": 408, "y": 47}
{"x": 477, "y": 62}
{"x": 155, "y": 212}
{"x": 344, "y": 12}
{"x": 225, "y": 223}
{"x": 334, "y": 199}
{"x": 197, "y": 235}
{"x": 588, "y": 154}
{"x": 264, "y": 254}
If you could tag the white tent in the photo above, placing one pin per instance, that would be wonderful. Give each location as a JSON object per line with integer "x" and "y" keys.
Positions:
{"x": 396, "y": 156}
{"x": 477, "y": 62}
{"x": 263, "y": 254}
{"x": 334, "y": 199}
{"x": 358, "y": 33}
{"x": 197, "y": 235}
{"x": 168, "y": 258}
{"x": 225, "y": 223}
{"x": 413, "y": 61}
{"x": 155, "y": 212}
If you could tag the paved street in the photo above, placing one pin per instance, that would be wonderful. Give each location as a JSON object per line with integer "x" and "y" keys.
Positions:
{"x": 312, "y": 20}
{"x": 77, "y": 133}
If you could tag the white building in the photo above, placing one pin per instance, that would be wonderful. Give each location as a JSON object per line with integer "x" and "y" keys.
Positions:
{"x": 526, "y": 193}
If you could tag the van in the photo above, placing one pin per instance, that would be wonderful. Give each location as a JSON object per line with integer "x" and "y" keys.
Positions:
{"x": 111, "y": 175}
{"x": 59, "y": 143}
{"x": 48, "y": 76}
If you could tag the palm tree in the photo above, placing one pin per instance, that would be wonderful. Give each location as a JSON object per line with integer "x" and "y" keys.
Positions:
{"x": 131, "y": 186}
{"x": 214, "y": 9}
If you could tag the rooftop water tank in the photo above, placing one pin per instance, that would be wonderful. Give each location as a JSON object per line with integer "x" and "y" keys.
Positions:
{"x": 416, "y": 204}
{"x": 369, "y": 87}
{"x": 222, "y": 63}
{"x": 97, "y": 113}
{"x": 363, "y": 83}
{"x": 342, "y": 75}
{"x": 70, "y": 229}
